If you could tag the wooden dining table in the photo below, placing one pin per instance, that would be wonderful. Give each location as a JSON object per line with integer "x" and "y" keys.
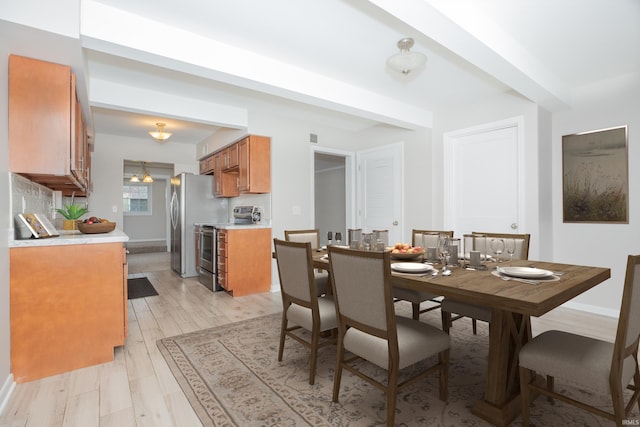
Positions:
{"x": 512, "y": 303}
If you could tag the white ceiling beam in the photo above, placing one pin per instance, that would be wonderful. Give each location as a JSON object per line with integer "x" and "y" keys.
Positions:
{"x": 470, "y": 34}
{"x": 117, "y": 96}
{"x": 135, "y": 37}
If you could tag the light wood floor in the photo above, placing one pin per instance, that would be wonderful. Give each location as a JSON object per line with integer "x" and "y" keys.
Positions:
{"x": 137, "y": 389}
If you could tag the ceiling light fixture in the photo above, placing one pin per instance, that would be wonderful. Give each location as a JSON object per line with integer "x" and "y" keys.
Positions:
{"x": 146, "y": 177}
{"x": 159, "y": 134}
{"x": 406, "y": 61}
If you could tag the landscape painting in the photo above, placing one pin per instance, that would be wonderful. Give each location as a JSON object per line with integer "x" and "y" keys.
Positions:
{"x": 595, "y": 176}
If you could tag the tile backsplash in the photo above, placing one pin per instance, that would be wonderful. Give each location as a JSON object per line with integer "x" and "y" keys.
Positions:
{"x": 261, "y": 200}
{"x": 27, "y": 196}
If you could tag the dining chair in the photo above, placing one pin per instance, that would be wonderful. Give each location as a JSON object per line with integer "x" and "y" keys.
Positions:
{"x": 600, "y": 366}
{"x": 369, "y": 329}
{"x": 301, "y": 305}
{"x": 416, "y": 298}
{"x": 312, "y": 236}
{"x": 474, "y": 311}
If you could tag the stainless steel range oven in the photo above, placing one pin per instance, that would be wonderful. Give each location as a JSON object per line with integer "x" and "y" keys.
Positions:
{"x": 207, "y": 262}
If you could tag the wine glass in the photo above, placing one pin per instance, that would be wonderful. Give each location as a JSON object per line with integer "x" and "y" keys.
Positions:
{"x": 443, "y": 246}
{"x": 510, "y": 247}
{"x": 329, "y": 237}
{"x": 497, "y": 246}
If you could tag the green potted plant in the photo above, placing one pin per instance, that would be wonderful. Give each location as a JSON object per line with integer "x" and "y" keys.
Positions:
{"x": 72, "y": 213}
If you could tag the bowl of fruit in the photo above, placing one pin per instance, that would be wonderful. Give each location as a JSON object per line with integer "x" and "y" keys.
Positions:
{"x": 95, "y": 225}
{"x": 405, "y": 251}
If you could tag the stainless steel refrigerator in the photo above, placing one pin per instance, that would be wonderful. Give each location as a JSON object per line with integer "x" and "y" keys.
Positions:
{"x": 192, "y": 202}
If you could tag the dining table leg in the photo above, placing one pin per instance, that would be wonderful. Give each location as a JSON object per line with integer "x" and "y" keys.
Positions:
{"x": 508, "y": 332}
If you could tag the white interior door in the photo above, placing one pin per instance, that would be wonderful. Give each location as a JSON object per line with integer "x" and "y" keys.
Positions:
{"x": 483, "y": 179}
{"x": 381, "y": 190}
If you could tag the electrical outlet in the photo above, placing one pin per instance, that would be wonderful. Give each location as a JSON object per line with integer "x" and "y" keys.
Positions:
{"x": 114, "y": 209}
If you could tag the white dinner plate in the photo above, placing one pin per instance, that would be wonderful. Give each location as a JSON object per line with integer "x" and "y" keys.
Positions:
{"x": 525, "y": 272}
{"x": 325, "y": 256}
{"x": 410, "y": 267}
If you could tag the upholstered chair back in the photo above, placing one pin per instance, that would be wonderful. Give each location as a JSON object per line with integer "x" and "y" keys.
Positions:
{"x": 427, "y": 238}
{"x": 521, "y": 240}
{"x": 359, "y": 284}
{"x": 295, "y": 268}
{"x": 629, "y": 321}
{"x": 311, "y": 236}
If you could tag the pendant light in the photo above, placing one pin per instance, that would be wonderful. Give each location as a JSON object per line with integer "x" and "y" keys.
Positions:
{"x": 146, "y": 177}
{"x": 406, "y": 61}
{"x": 159, "y": 134}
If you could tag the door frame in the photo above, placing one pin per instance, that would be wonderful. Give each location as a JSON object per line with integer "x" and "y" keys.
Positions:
{"x": 449, "y": 139}
{"x": 349, "y": 177}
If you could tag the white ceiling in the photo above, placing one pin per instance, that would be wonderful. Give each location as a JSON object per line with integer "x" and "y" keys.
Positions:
{"x": 324, "y": 61}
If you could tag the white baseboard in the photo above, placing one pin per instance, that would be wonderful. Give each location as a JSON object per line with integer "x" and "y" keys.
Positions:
{"x": 593, "y": 309}
{"x": 6, "y": 391}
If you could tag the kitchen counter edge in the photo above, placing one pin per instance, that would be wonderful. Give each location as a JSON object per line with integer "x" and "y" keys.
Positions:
{"x": 71, "y": 238}
{"x": 227, "y": 226}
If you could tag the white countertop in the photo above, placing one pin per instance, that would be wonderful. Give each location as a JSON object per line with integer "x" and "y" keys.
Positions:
{"x": 241, "y": 226}
{"x": 72, "y": 237}
{"x": 232, "y": 226}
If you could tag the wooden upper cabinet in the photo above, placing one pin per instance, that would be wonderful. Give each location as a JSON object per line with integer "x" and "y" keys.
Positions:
{"x": 242, "y": 167}
{"x": 206, "y": 166}
{"x": 231, "y": 157}
{"x": 225, "y": 184}
{"x": 254, "y": 171}
{"x": 47, "y": 133}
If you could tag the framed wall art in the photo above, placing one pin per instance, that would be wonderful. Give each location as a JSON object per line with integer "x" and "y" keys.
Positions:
{"x": 595, "y": 176}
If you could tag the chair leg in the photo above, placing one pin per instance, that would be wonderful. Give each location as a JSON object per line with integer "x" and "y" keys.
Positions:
{"x": 617, "y": 399}
{"x": 392, "y": 392}
{"x": 283, "y": 328}
{"x": 474, "y": 326}
{"x": 446, "y": 321}
{"x": 525, "y": 378}
{"x": 550, "y": 387}
{"x": 443, "y": 358}
{"x": 415, "y": 310}
{"x": 337, "y": 376}
{"x": 315, "y": 338}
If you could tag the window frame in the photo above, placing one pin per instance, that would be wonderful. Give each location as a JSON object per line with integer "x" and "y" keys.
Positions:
{"x": 149, "y": 199}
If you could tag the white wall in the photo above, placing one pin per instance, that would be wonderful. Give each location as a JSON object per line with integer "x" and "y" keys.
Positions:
{"x": 292, "y": 171}
{"x": 418, "y": 172}
{"x": 141, "y": 228}
{"x": 610, "y": 103}
{"x": 330, "y": 202}
{"x": 492, "y": 110}
{"x": 107, "y": 168}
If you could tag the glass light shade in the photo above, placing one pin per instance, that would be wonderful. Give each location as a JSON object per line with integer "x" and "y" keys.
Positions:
{"x": 406, "y": 61}
{"x": 147, "y": 178}
{"x": 134, "y": 178}
{"x": 159, "y": 134}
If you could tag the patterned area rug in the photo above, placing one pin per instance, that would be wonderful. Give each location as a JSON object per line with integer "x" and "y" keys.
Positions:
{"x": 231, "y": 376}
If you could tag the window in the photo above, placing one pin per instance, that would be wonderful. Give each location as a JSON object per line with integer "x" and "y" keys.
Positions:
{"x": 136, "y": 198}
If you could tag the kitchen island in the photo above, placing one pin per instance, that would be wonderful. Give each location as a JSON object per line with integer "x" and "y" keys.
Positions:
{"x": 68, "y": 302}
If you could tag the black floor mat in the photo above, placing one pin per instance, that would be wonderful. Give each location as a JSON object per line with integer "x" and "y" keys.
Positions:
{"x": 140, "y": 288}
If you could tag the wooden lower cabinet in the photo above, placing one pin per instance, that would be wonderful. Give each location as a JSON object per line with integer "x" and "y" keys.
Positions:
{"x": 244, "y": 260}
{"x": 68, "y": 307}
